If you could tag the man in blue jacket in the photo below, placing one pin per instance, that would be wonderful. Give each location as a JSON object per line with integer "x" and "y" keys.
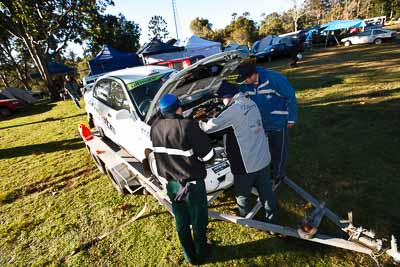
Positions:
{"x": 276, "y": 99}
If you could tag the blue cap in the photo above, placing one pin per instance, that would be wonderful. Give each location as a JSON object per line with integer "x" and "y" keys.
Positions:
{"x": 227, "y": 90}
{"x": 169, "y": 104}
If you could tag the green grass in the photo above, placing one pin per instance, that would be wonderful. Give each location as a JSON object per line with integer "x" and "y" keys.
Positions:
{"x": 344, "y": 150}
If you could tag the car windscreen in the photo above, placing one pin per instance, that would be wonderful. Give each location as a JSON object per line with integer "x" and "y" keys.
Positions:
{"x": 142, "y": 92}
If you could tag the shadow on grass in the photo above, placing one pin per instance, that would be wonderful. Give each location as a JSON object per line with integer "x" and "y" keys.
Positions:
{"x": 29, "y": 110}
{"x": 382, "y": 93}
{"x": 42, "y": 121}
{"x": 263, "y": 247}
{"x": 14, "y": 194}
{"x": 37, "y": 149}
{"x": 348, "y": 155}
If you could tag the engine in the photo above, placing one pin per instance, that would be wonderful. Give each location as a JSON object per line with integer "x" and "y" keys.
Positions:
{"x": 207, "y": 110}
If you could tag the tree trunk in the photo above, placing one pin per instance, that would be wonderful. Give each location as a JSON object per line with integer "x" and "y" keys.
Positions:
{"x": 40, "y": 61}
{"x": 4, "y": 79}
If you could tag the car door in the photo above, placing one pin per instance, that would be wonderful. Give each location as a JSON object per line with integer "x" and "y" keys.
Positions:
{"x": 129, "y": 128}
{"x": 361, "y": 38}
{"x": 379, "y": 34}
{"x": 103, "y": 109}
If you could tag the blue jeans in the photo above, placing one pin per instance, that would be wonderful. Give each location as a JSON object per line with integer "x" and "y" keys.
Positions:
{"x": 243, "y": 184}
{"x": 278, "y": 146}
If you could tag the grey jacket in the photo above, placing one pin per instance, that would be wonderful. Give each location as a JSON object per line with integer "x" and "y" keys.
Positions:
{"x": 245, "y": 142}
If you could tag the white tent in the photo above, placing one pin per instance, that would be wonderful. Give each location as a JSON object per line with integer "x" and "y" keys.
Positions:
{"x": 195, "y": 45}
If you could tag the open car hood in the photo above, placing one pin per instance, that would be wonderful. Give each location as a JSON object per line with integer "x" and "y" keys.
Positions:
{"x": 205, "y": 75}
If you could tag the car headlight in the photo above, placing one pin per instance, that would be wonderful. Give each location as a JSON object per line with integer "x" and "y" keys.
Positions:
{"x": 272, "y": 50}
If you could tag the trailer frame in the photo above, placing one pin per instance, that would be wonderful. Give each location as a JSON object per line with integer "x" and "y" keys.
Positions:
{"x": 128, "y": 174}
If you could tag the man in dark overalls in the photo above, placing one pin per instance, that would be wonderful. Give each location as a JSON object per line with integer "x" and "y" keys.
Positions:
{"x": 181, "y": 148}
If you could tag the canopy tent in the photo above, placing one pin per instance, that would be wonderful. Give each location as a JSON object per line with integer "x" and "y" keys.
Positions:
{"x": 110, "y": 59}
{"x": 55, "y": 68}
{"x": 195, "y": 46}
{"x": 332, "y": 26}
{"x": 156, "y": 51}
{"x": 342, "y": 24}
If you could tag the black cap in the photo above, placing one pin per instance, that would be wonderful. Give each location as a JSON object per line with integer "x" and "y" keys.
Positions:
{"x": 245, "y": 71}
{"x": 227, "y": 90}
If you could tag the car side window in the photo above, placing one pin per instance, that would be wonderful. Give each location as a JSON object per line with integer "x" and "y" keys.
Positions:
{"x": 378, "y": 32}
{"x": 102, "y": 91}
{"x": 367, "y": 33}
{"x": 117, "y": 97}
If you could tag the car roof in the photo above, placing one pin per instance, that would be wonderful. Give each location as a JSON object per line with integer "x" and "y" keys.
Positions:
{"x": 129, "y": 75}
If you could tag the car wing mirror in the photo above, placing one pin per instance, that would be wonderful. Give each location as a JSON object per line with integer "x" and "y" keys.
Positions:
{"x": 122, "y": 114}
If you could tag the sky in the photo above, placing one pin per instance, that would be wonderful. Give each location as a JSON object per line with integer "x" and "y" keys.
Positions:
{"x": 218, "y": 12}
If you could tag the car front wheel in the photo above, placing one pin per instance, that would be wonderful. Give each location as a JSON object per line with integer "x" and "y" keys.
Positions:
{"x": 347, "y": 43}
{"x": 378, "y": 41}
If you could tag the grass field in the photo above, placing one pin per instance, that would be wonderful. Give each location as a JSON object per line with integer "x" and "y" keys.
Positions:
{"x": 345, "y": 150}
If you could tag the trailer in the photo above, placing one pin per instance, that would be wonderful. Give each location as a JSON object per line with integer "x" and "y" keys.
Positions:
{"x": 130, "y": 176}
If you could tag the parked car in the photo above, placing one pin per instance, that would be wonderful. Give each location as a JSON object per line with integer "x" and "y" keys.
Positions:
{"x": 241, "y": 48}
{"x": 274, "y": 48}
{"x": 9, "y": 105}
{"x": 123, "y": 104}
{"x": 179, "y": 63}
{"x": 375, "y": 36}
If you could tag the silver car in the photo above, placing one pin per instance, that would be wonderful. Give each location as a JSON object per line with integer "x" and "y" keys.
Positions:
{"x": 375, "y": 36}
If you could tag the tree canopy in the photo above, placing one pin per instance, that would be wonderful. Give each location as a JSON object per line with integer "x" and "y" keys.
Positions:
{"x": 158, "y": 28}
{"x": 45, "y": 27}
{"x": 116, "y": 31}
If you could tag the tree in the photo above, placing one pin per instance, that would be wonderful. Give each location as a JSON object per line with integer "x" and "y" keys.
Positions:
{"x": 242, "y": 30}
{"x": 202, "y": 28}
{"x": 158, "y": 28}
{"x": 295, "y": 12}
{"x": 45, "y": 27}
{"x": 271, "y": 25}
{"x": 116, "y": 31}
{"x": 12, "y": 58}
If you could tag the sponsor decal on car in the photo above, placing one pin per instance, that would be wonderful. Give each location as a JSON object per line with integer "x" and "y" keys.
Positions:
{"x": 133, "y": 85}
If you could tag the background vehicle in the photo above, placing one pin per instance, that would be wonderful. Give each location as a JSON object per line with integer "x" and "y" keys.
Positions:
{"x": 8, "y": 106}
{"x": 376, "y": 36}
{"x": 274, "y": 47}
{"x": 179, "y": 63}
{"x": 123, "y": 104}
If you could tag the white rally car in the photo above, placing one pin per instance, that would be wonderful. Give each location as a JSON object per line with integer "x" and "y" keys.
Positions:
{"x": 373, "y": 36}
{"x": 123, "y": 104}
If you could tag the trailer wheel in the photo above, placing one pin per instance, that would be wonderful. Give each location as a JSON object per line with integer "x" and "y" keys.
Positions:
{"x": 115, "y": 182}
{"x": 97, "y": 161}
{"x": 90, "y": 121}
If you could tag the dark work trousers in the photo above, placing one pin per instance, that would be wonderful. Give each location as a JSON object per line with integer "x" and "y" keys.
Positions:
{"x": 261, "y": 181}
{"x": 76, "y": 99}
{"x": 193, "y": 211}
{"x": 278, "y": 146}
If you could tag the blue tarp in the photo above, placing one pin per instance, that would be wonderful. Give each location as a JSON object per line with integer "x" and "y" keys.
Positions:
{"x": 109, "y": 59}
{"x": 262, "y": 44}
{"x": 342, "y": 24}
